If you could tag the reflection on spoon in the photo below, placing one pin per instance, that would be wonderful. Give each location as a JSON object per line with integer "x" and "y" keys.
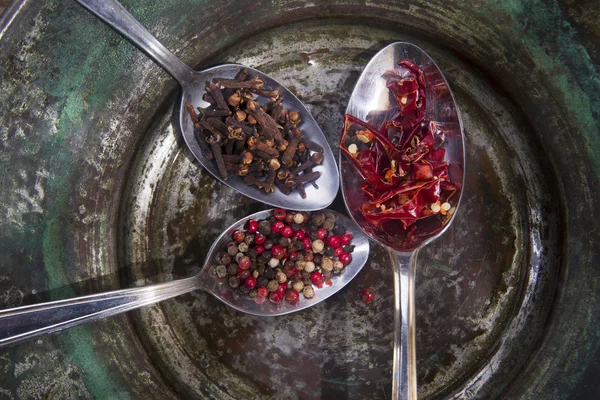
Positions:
{"x": 403, "y": 174}
{"x": 193, "y": 84}
{"x": 22, "y": 323}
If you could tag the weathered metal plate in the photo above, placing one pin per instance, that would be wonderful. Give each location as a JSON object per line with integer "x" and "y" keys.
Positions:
{"x": 99, "y": 193}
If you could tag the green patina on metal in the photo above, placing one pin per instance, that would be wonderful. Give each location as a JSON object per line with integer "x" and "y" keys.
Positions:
{"x": 74, "y": 78}
{"x": 553, "y": 44}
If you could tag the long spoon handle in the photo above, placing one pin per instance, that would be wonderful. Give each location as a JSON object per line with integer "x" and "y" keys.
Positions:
{"x": 117, "y": 17}
{"x": 405, "y": 364}
{"x": 26, "y": 322}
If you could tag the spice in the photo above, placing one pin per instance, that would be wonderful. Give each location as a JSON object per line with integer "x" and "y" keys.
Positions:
{"x": 247, "y": 138}
{"x": 401, "y": 163}
{"x": 276, "y": 258}
{"x": 367, "y": 295}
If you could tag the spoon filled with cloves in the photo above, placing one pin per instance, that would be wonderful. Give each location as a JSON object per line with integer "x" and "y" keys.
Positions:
{"x": 244, "y": 127}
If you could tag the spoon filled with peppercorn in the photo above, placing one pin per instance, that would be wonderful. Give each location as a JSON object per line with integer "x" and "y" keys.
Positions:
{"x": 270, "y": 263}
{"x": 402, "y": 167}
{"x": 242, "y": 126}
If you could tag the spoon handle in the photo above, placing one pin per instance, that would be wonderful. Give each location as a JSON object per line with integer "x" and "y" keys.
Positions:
{"x": 404, "y": 384}
{"x": 117, "y": 17}
{"x": 26, "y": 322}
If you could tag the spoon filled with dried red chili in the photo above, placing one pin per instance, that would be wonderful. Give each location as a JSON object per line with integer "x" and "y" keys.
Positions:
{"x": 244, "y": 127}
{"x": 402, "y": 166}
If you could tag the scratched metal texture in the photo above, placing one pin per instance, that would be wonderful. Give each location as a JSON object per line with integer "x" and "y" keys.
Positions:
{"x": 99, "y": 192}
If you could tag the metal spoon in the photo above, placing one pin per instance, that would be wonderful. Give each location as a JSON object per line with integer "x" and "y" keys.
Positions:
{"x": 193, "y": 85}
{"x": 22, "y": 323}
{"x": 370, "y": 94}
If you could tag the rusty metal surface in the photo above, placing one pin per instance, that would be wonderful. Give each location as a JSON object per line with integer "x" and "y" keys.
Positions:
{"x": 99, "y": 193}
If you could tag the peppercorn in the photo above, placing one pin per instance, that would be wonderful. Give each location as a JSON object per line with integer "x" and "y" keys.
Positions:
{"x": 308, "y": 256}
{"x": 234, "y": 281}
{"x": 298, "y": 286}
{"x": 273, "y": 285}
{"x": 349, "y": 248}
{"x": 252, "y": 253}
{"x": 318, "y": 219}
{"x": 329, "y": 224}
{"x": 309, "y": 266}
{"x": 232, "y": 269}
{"x": 243, "y": 273}
{"x": 284, "y": 242}
{"x": 269, "y": 273}
{"x": 338, "y": 266}
{"x": 281, "y": 277}
{"x": 253, "y": 293}
{"x": 329, "y": 251}
{"x": 273, "y": 262}
{"x": 289, "y": 217}
{"x": 327, "y": 264}
{"x": 261, "y": 281}
{"x": 298, "y": 218}
{"x": 317, "y": 246}
{"x": 221, "y": 271}
{"x": 249, "y": 240}
{"x": 313, "y": 236}
{"x": 243, "y": 247}
{"x": 308, "y": 292}
{"x": 232, "y": 249}
{"x": 264, "y": 227}
{"x": 338, "y": 230}
{"x": 317, "y": 258}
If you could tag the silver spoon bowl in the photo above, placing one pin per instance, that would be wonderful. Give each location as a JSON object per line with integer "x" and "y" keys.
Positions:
{"x": 193, "y": 84}
{"x": 22, "y": 323}
{"x": 370, "y": 97}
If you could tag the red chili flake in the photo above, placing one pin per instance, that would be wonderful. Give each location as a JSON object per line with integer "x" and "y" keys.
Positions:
{"x": 401, "y": 163}
{"x": 367, "y": 295}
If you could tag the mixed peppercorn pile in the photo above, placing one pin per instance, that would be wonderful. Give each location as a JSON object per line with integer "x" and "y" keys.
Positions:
{"x": 284, "y": 255}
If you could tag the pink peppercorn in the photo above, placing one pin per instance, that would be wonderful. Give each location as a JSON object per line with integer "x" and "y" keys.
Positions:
{"x": 346, "y": 238}
{"x": 338, "y": 251}
{"x": 307, "y": 243}
{"x": 239, "y": 236}
{"x": 252, "y": 226}
{"x": 259, "y": 238}
{"x": 263, "y": 291}
{"x": 277, "y": 226}
{"x": 279, "y": 214}
{"x": 299, "y": 235}
{"x": 250, "y": 282}
{"x": 345, "y": 258}
{"x": 292, "y": 296}
{"x": 334, "y": 241}
{"x": 259, "y": 249}
{"x": 244, "y": 262}
{"x": 287, "y": 231}
{"x": 276, "y": 297}
{"x": 317, "y": 278}
{"x": 322, "y": 233}
{"x": 367, "y": 295}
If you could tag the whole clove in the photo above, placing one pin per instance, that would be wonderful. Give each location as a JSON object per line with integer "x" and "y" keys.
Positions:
{"x": 256, "y": 140}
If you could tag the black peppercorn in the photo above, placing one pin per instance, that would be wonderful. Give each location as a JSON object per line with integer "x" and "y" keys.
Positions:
{"x": 243, "y": 290}
{"x": 232, "y": 269}
{"x": 252, "y": 253}
{"x": 268, "y": 244}
{"x": 339, "y": 230}
{"x": 284, "y": 242}
{"x": 261, "y": 281}
{"x": 329, "y": 224}
{"x": 349, "y": 248}
{"x": 232, "y": 249}
{"x": 269, "y": 273}
{"x": 329, "y": 251}
{"x": 234, "y": 281}
{"x": 299, "y": 246}
{"x": 318, "y": 219}
{"x": 264, "y": 227}
{"x": 313, "y": 236}
{"x": 317, "y": 258}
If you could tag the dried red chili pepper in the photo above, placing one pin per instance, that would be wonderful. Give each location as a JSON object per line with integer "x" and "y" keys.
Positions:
{"x": 402, "y": 164}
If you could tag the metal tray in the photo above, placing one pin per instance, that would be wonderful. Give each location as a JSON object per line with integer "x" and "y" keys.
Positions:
{"x": 99, "y": 192}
